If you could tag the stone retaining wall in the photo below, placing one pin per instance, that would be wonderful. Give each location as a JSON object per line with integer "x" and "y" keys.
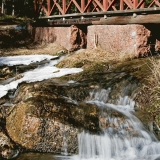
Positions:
{"x": 134, "y": 40}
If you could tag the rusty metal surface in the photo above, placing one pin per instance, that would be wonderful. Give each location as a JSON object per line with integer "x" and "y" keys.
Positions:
{"x": 45, "y": 8}
{"x": 66, "y": 22}
{"x": 121, "y": 20}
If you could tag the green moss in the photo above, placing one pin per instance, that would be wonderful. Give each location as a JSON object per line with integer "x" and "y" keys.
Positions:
{"x": 81, "y": 63}
{"x": 138, "y": 68}
{"x": 90, "y": 72}
{"x": 13, "y": 19}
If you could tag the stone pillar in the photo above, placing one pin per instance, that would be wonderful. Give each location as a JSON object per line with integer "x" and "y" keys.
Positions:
{"x": 71, "y": 38}
{"x": 120, "y": 39}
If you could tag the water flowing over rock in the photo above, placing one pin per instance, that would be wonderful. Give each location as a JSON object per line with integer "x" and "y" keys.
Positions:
{"x": 48, "y": 115}
{"x": 93, "y": 118}
{"x": 123, "y": 137}
{"x": 48, "y": 122}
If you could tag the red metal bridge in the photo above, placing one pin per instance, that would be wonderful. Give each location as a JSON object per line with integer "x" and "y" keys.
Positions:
{"x": 89, "y": 11}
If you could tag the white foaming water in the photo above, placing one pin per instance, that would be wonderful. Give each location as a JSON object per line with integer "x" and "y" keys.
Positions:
{"x": 122, "y": 138}
{"x": 43, "y": 72}
{"x": 25, "y": 59}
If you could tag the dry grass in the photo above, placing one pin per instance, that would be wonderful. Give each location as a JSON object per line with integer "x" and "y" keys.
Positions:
{"x": 85, "y": 56}
{"x": 51, "y": 49}
{"x": 152, "y": 91}
{"x": 155, "y": 79}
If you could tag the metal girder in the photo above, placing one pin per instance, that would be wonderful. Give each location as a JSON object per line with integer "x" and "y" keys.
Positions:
{"x": 63, "y": 7}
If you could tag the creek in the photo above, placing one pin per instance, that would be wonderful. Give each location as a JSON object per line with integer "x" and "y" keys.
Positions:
{"x": 116, "y": 134}
{"x": 122, "y": 134}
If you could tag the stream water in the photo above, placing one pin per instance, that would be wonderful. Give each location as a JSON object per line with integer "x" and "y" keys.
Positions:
{"x": 122, "y": 138}
{"x": 122, "y": 135}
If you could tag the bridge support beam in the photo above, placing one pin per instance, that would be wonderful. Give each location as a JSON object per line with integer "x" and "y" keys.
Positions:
{"x": 71, "y": 38}
{"x": 132, "y": 40}
{"x": 135, "y": 19}
{"x": 124, "y": 40}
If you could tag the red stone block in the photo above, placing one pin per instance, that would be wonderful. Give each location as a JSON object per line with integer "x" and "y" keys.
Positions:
{"x": 121, "y": 39}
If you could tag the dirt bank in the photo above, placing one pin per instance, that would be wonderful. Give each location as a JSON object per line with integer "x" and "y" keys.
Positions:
{"x": 17, "y": 40}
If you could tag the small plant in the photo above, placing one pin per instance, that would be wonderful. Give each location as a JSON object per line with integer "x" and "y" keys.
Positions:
{"x": 7, "y": 17}
{"x": 14, "y": 19}
{"x": 153, "y": 90}
{"x": 148, "y": 1}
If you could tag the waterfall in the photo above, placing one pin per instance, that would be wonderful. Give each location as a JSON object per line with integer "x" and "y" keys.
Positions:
{"x": 122, "y": 138}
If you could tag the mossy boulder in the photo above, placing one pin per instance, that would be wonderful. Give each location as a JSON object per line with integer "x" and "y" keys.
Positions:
{"x": 42, "y": 120}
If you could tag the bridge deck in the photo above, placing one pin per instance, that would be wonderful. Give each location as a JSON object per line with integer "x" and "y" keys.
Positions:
{"x": 62, "y": 12}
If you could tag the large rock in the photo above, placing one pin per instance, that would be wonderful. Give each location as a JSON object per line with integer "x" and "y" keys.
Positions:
{"x": 123, "y": 40}
{"x": 47, "y": 116}
{"x": 40, "y": 132}
{"x": 44, "y": 121}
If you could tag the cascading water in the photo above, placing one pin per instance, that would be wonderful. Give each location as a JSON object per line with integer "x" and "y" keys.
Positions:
{"x": 122, "y": 138}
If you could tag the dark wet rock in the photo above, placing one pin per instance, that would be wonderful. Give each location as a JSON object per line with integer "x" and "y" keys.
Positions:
{"x": 14, "y": 37}
{"x": 38, "y": 156}
{"x": 61, "y": 52}
{"x": 47, "y": 116}
{"x": 49, "y": 128}
{"x": 12, "y": 73}
{"x": 46, "y": 121}
{"x": 7, "y": 148}
{"x": 56, "y": 88}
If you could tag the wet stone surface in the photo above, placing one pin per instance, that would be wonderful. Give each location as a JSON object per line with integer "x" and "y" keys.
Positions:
{"x": 47, "y": 116}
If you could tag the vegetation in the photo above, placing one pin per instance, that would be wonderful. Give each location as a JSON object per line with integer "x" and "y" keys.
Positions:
{"x": 17, "y": 7}
{"x": 14, "y": 10}
{"x": 9, "y": 19}
{"x": 154, "y": 87}
{"x": 149, "y": 96}
{"x": 148, "y": 1}
{"x": 81, "y": 57}
{"x": 145, "y": 70}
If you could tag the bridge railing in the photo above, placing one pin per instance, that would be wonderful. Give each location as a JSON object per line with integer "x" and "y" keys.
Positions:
{"x": 62, "y": 7}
